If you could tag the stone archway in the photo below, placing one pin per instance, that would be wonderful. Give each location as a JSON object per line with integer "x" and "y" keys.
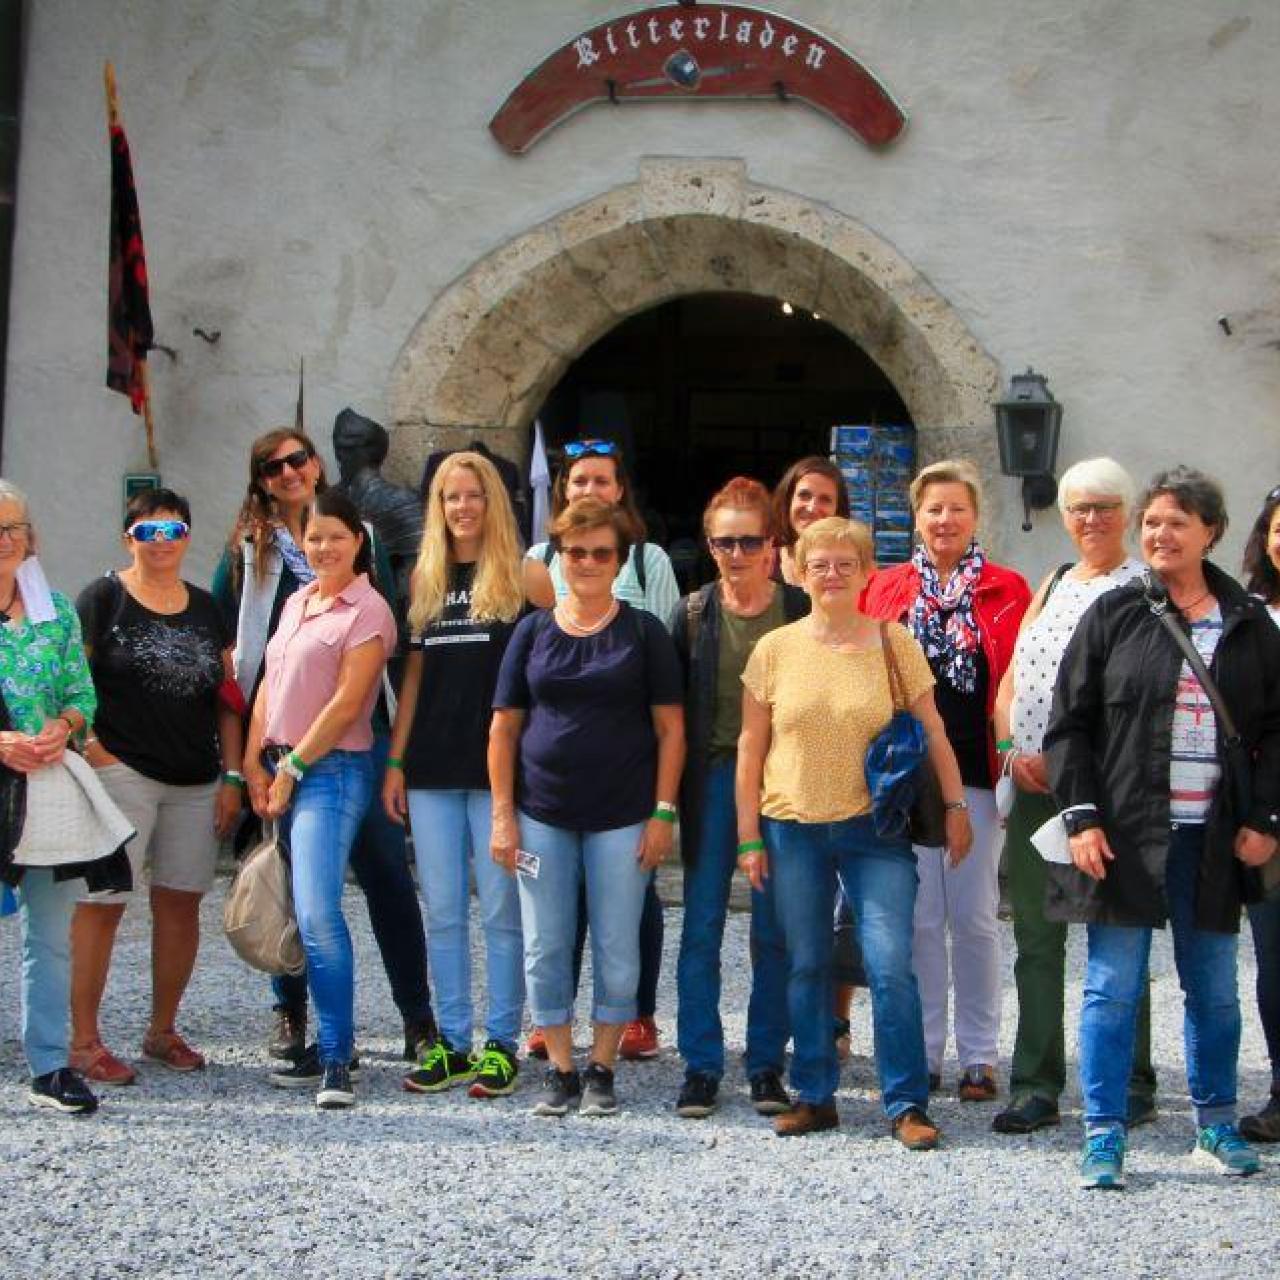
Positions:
{"x": 495, "y": 342}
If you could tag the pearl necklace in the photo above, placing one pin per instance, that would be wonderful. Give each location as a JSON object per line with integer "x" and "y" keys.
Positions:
{"x": 562, "y": 611}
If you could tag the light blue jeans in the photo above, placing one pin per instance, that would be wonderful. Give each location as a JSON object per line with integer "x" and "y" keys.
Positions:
{"x": 450, "y": 836}
{"x": 327, "y": 807}
{"x": 616, "y": 886}
{"x": 46, "y": 905}
{"x": 1116, "y": 977}
{"x": 879, "y": 879}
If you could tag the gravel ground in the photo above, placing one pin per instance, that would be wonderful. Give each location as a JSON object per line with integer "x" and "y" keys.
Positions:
{"x": 218, "y": 1174}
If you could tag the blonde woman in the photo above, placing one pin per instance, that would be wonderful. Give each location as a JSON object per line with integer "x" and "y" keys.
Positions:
{"x": 469, "y": 588}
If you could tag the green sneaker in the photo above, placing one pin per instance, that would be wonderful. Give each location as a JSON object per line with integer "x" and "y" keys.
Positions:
{"x": 495, "y": 1073}
{"x": 441, "y": 1068}
{"x": 1222, "y": 1148}
{"x": 1102, "y": 1162}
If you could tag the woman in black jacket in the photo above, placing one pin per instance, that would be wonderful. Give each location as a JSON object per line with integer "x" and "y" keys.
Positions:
{"x": 1156, "y": 832}
{"x": 715, "y": 629}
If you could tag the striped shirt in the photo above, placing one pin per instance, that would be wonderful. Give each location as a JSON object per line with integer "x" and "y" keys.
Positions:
{"x": 1194, "y": 769}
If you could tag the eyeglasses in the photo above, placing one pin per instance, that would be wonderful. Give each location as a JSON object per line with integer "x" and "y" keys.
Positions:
{"x": 274, "y": 467}
{"x": 843, "y": 568}
{"x": 748, "y": 544}
{"x": 580, "y": 555}
{"x": 21, "y": 529}
{"x": 159, "y": 530}
{"x": 1083, "y": 510}
{"x": 576, "y": 449}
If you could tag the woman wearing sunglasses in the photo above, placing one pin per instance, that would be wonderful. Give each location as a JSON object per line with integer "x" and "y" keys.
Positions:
{"x": 817, "y": 693}
{"x": 262, "y": 568}
{"x": 168, "y": 752}
{"x": 469, "y": 587}
{"x": 646, "y": 580}
{"x": 588, "y": 704}
{"x": 715, "y": 630}
{"x": 312, "y": 717}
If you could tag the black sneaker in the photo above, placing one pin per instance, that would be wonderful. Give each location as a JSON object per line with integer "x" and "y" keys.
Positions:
{"x": 597, "y": 1091}
{"x": 419, "y": 1035}
{"x": 1026, "y": 1115}
{"x": 768, "y": 1095}
{"x": 288, "y": 1033}
{"x": 307, "y": 1072}
{"x": 697, "y": 1095}
{"x": 335, "y": 1089}
{"x": 63, "y": 1090}
{"x": 443, "y": 1068}
{"x": 560, "y": 1091}
{"x": 495, "y": 1071}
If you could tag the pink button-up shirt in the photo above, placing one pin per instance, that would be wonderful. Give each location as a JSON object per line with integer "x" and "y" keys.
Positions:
{"x": 305, "y": 654}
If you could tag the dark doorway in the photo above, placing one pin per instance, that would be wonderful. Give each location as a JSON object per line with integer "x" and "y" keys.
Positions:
{"x": 714, "y": 385}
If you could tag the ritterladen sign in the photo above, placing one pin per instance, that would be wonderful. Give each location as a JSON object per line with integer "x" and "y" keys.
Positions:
{"x": 698, "y": 51}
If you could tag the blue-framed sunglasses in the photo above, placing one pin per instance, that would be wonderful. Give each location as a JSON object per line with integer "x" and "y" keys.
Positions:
{"x": 159, "y": 530}
{"x": 576, "y": 449}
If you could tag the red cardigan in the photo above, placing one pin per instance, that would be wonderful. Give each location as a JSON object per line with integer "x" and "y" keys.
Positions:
{"x": 1000, "y": 599}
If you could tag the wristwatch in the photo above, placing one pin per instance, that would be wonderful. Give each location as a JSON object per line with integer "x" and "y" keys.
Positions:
{"x": 1078, "y": 821}
{"x": 949, "y": 805}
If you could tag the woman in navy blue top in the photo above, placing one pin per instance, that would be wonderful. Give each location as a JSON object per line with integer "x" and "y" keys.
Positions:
{"x": 588, "y": 706}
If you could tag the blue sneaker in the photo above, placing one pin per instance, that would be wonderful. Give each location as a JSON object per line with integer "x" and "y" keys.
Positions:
{"x": 1222, "y": 1148}
{"x": 1102, "y": 1162}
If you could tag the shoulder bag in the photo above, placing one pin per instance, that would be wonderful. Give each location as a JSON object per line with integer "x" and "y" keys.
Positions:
{"x": 258, "y": 917}
{"x": 1237, "y": 766}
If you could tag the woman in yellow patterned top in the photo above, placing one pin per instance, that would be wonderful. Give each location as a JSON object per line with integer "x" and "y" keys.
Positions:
{"x": 817, "y": 693}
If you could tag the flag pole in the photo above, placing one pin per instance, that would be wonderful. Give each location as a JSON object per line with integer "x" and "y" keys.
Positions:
{"x": 113, "y": 122}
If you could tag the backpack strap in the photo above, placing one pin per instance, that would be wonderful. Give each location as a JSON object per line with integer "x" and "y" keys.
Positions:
{"x": 548, "y": 554}
{"x": 641, "y": 571}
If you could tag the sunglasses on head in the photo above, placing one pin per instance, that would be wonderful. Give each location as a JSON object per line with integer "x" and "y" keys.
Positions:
{"x": 748, "y": 544}
{"x": 159, "y": 530}
{"x": 274, "y": 467}
{"x": 580, "y": 555}
{"x": 576, "y": 449}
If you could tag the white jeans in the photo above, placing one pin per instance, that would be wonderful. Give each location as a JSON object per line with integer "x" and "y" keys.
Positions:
{"x": 961, "y": 901}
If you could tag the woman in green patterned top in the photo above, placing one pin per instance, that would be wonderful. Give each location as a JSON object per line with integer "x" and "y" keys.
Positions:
{"x": 46, "y": 697}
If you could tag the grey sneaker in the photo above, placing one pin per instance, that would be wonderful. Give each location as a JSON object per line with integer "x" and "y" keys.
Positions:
{"x": 560, "y": 1091}
{"x": 1222, "y": 1148}
{"x": 597, "y": 1091}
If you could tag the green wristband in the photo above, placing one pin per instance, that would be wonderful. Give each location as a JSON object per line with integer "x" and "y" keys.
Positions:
{"x": 1005, "y": 744}
{"x": 234, "y": 779}
{"x": 394, "y": 762}
{"x": 663, "y": 815}
{"x": 295, "y": 766}
{"x": 750, "y": 846}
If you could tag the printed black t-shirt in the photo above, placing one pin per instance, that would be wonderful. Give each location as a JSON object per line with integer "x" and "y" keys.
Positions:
{"x": 449, "y": 742}
{"x": 157, "y": 676}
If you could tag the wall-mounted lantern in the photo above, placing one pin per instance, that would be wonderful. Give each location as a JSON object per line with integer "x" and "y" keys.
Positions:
{"x": 1028, "y": 422}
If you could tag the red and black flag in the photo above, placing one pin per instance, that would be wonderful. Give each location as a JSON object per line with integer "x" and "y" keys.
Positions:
{"x": 129, "y": 331}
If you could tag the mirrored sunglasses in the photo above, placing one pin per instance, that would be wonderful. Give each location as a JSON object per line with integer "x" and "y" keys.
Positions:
{"x": 159, "y": 530}
{"x": 273, "y": 468}
{"x": 576, "y": 449}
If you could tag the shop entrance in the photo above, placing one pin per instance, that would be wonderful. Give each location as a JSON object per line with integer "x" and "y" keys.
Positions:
{"x": 713, "y": 385}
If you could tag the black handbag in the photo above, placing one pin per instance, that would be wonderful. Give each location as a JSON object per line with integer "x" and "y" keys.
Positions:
{"x": 1261, "y": 883}
{"x": 13, "y": 801}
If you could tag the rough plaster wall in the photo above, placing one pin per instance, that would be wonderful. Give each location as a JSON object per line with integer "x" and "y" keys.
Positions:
{"x": 1091, "y": 184}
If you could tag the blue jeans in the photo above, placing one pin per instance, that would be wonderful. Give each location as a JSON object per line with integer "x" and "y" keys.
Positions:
{"x": 1264, "y": 919}
{"x": 616, "y": 886}
{"x": 46, "y": 905}
{"x": 322, "y": 822}
{"x": 1116, "y": 977}
{"x": 451, "y": 836}
{"x": 651, "y": 939}
{"x": 380, "y": 864}
{"x": 700, "y": 1034}
{"x": 879, "y": 878}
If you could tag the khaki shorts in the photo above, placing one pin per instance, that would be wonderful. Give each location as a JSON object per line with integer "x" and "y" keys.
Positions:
{"x": 176, "y": 843}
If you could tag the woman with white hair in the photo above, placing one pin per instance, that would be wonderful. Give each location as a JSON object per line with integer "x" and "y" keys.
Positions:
{"x": 1095, "y": 497}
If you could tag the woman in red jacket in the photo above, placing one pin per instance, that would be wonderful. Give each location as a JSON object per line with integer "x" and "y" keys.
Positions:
{"x": 965, "y": 613}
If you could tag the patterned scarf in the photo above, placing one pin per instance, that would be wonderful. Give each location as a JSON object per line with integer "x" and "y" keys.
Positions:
{"x": 942, "y": 618}
{"x": 293, "y": 556}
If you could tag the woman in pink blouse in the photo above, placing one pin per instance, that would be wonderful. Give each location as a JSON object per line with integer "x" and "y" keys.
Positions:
{"x": 311, "y": 721}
